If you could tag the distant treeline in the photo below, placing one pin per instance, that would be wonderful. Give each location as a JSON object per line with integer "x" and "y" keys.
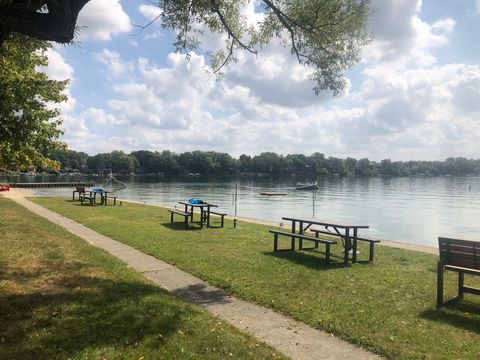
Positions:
{"x": 267, "y": 163}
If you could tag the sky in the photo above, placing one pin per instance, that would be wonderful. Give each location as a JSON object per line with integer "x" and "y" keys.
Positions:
{"x": 415, "y": 94}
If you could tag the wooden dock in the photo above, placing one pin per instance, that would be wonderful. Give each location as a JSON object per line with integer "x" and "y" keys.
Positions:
{"x": 53, "y": 184}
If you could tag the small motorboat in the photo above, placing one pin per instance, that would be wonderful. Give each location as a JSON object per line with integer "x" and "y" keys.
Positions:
{"x": 272, "y": 193}
{"x": 300, "y": 186}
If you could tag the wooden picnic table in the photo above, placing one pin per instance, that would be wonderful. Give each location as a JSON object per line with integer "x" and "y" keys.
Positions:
{"x": 103, "y": 195}
{"x": 347, "y": 232}
{"x": 204, "y": 211}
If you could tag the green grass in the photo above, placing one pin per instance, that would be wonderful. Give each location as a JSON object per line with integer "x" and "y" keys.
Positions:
{"x": 387, "y": 306}
{"x": 62, "y": 299}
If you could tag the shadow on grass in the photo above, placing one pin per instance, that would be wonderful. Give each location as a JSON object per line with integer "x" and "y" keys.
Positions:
{"x": 308, "y": 258}
{"x": 462, "y": 315}
{"x": 202, "y": 294}
{"x": 181, "y": 226}
{"x": 216, "y": 226}
{"x": 71, "y": 312}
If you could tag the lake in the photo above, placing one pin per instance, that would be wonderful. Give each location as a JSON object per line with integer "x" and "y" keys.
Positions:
{"x": 411, "y": 210}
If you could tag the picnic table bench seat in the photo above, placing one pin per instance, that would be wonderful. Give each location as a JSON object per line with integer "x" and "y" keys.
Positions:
{"x": 372, "y": 242}
{"x": 461, "y": 256}
{"x": 90, "y": 198}
{"x": 222, "y": 216}
{"x": 301, "y": 237}
{"x": 111, "y": 197}
{"x": 186, "y": 215}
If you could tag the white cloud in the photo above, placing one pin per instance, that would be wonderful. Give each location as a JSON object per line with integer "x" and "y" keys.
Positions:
{"x": 102, "y": 19}
{"x": 418, "y": 113}
{"x": 58, "y": 69}
{"x": 401, "y": 36}
{"x": 150, "y": 12}
{"x": 114, "y": 62}
{"x": 167, "y": 97}
{"x": 97, "y": 117}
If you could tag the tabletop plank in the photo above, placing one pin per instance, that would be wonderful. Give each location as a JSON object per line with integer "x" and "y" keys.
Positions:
{"x": 324, "y": 223}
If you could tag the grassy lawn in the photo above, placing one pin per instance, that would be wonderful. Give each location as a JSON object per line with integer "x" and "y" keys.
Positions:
{"x": 387, "y": 306}
{"x": 62, "y": 299}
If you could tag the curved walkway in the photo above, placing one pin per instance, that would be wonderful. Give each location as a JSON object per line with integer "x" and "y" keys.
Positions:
{"x": 293, "y": 338}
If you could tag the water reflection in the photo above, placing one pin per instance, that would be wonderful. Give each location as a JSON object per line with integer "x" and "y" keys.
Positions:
{"x": 414, "y": 210}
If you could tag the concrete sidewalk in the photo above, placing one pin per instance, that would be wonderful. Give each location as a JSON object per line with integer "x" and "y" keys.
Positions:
{"x": 292, "y": 338}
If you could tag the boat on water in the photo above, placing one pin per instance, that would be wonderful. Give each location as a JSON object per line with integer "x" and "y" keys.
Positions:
{"x": 312, "y": 186}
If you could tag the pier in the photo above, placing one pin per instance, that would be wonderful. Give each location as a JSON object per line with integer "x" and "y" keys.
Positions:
{"x": 53, "y": 184}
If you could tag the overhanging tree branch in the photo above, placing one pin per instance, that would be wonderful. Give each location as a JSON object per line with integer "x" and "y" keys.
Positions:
{"x": 45, "y": 20}
{"x": 325, "y": 35}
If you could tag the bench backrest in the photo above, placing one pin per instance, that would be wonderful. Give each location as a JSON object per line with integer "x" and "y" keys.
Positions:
{"x": 456, "y": 252}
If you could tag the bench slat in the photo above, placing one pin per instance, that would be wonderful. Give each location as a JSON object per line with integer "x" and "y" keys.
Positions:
{"x": 457, "y": 247}
{"x": 448, "y": 241}
{"x": 305, "y": 237}
{"x": 461, "y": 261}
{"x": 301, "y": 237}
{"x": 317, "y": 231}
{"x": 462, "y": 269}
{"x": 179, "y": 212}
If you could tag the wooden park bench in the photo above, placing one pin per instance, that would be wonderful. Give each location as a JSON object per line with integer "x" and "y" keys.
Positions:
{"x": 372, "y": 242}
{"x": 185, "y": 215}
{"x": 301, "y": 237}
{"x": 461, "y": 256}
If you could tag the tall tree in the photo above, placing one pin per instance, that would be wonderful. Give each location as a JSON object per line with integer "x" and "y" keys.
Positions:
{"x": 30, "y": 126}
{"x": 326, "y": 35}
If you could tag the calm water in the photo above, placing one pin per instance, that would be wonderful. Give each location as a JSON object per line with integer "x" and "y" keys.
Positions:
{"x": 412, "y": 210}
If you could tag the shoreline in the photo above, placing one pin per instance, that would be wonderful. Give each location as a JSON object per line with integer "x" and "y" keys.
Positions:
{"x": 23, "y": 192}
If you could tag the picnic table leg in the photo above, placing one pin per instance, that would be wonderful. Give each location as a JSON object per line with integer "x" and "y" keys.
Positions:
{"x": 191, "y": 212}
{"x": 201, "y": 217}
{"x": 293, "y": 232}
{"x": 347, "y": 245}
{"x": 354, "y": 255}
{"x": 208, "y": 216}
{"x": 300, "y": 231}
{"x": 461, "y": 280}
{"x": 439, "y": 285}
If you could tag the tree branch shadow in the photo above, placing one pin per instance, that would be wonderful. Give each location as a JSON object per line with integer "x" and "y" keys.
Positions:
{"x": 202, "y": 294}
{"x": 73, "y": 312}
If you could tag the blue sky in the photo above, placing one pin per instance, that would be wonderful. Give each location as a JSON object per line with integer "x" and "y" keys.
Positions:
{"x": 414, "y": 95}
